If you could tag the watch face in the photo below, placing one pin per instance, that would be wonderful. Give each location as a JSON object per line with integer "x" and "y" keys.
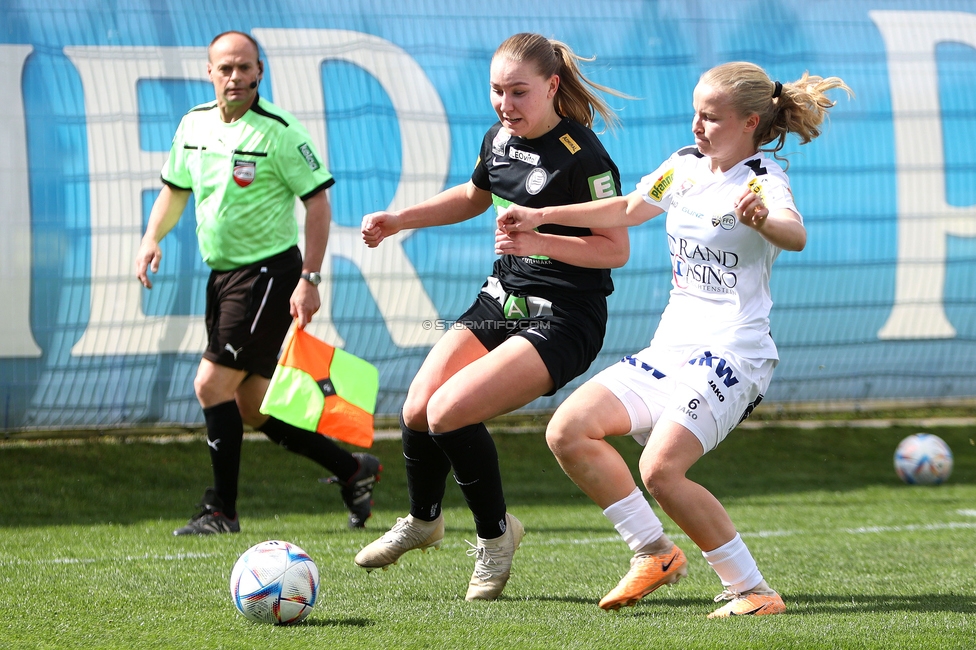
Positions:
{"x": 314, "y": 278}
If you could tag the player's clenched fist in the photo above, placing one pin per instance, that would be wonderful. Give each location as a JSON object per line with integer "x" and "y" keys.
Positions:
{"x": 751, "y": 210}
{"x": 516, "y": 218}
{"x": 377, "y": 226}
{"x": 517, "y": 243}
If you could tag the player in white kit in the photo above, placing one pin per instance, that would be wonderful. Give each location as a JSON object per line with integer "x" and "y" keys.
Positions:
{"x": 730, "y": 212}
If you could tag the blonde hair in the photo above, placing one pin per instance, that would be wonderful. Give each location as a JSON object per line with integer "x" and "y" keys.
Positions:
{"x": 798, "y": 107}
{"x": 575, "y": 98}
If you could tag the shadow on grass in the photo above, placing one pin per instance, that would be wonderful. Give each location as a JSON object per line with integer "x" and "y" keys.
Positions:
{"x": 809, "y": 604}
{"x": 555, "y": 599}
{"x": 877, "y": 603}
{"x": 135, "y": 480}
{"x": 337, "y": 622}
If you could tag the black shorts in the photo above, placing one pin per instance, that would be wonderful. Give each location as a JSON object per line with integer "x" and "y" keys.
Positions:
{"x": 249, "y": 312}
{"x": 568, "y": 339}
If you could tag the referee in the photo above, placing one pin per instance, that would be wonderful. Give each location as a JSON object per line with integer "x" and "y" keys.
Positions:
{"x": 245, "y": 160}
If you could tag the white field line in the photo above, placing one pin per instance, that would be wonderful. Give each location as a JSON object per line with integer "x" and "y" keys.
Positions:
{"x": 614, "y": 539}
{"x": 912, "y": 528}
{"x": 534, "y": 541}
{"x": 178, "y": 557}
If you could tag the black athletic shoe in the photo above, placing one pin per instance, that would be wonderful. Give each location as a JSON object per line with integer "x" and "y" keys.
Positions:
{"x": 357, "y": 492}
{"x": 210, "y": 520}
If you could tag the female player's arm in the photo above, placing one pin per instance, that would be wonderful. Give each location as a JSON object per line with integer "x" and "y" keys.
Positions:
{"x": 615, "y": 212}
{"x": 781, "y": 227}
{"x": 453, "y": 205}
{"x": 604, "y": 248}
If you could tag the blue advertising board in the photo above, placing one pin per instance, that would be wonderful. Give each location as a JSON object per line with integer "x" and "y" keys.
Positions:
{"x": 881, "y": 305}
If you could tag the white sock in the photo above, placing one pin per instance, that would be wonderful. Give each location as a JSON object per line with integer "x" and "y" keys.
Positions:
{"x": 735, "y": 565}
{"x": 634, "y": 520}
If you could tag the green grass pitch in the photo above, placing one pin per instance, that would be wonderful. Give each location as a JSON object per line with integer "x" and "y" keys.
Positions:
{"x": 87, "y": 558}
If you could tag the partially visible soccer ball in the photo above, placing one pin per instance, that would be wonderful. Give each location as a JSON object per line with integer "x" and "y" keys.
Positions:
{"x": 274, "y": 582}
{"x": 923, "y": 459}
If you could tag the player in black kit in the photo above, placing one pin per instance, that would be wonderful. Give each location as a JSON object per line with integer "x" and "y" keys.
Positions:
{"x": 537, "y": 322}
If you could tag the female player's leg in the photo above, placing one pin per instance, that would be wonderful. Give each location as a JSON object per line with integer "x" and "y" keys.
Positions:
{"x": 577, "y": 437}
{"x": 670, "y": 452}
{"x": 498, "y": 382}
{"x": 508, "y": 377}
{"x": 455, "y": 350}
{"x": 427, "y": 466}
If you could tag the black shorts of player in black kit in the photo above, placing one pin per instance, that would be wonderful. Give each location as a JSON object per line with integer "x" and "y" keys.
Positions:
{"x": 249, "y": 313}
{"x": 566, "y": 332}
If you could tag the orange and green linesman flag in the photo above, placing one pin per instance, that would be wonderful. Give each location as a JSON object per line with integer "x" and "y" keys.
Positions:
{"x": 320, "y": 388}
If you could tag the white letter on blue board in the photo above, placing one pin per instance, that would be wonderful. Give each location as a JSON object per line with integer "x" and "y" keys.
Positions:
{"x": 925, "y": 218}
{"x": 16, "y": 338}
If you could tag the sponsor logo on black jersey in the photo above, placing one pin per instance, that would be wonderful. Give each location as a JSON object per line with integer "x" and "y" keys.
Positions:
{"x": 601, "y": 186}
{"x": 524, "y": 156}
{"x": 570, "y": 143}
{"x": 536, "y": 180}
{"x": 499, "y": 142}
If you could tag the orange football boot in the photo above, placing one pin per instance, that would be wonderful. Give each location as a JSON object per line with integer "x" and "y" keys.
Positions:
{"x": 748, "y": 604}
{"x": 647, "y": 573}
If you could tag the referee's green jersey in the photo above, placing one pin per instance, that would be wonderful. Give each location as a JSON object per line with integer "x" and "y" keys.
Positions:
{"x": 244, "y": 177}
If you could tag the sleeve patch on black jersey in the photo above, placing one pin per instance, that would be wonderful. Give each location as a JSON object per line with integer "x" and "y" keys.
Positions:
{"x": 601, "y": 186}
{"x": 570, "y": 143}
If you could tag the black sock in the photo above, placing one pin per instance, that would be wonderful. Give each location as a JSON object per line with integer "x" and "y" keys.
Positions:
{"x": 225, "y": 432}
{"x": 427, "y": 470}
{"x": 474, "y": 457}
{"x": 312, "y": 445}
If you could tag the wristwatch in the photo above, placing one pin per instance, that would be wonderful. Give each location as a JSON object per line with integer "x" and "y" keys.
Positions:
{"x": 312, "y": 277}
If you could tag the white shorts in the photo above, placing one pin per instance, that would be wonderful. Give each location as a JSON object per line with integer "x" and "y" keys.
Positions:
{"x": 707, "y": 390}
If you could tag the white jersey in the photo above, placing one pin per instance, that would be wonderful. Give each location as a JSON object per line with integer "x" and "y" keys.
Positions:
{"x": 720, "y": 267}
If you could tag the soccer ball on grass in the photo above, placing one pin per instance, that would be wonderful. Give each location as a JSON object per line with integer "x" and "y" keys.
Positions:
{"x": 274, "y": 582}
{"x": 923, "y": 459}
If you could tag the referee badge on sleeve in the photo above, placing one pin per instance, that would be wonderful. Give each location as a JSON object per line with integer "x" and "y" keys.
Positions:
{"x": 244, "y": 172}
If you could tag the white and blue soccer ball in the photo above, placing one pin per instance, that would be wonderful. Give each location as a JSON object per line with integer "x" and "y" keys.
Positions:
{"x": 274, "y": 582}
{"x": 923, "y": 459}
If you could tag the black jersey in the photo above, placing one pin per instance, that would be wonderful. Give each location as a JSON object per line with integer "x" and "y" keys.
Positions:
{"x": 566, "y": 165}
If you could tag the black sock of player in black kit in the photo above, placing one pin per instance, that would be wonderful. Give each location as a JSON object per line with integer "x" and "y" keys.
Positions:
{"x": 475, "y": 460}
{"x": 427, "y": 470}
{"x": 312, "y": 445}
{"x": 225, "y": 432}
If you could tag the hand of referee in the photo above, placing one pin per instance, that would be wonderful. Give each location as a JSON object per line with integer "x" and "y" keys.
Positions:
{"x": 305, "y": 301}
{"x": 147, "y": 259}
